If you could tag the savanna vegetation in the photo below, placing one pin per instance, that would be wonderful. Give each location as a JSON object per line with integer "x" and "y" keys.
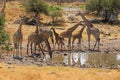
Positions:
{"x": 104, "y": 8}
{"x": 53, "y": 14}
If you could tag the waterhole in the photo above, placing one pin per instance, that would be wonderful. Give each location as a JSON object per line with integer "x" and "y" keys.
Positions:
{"x": 87, "y": 59}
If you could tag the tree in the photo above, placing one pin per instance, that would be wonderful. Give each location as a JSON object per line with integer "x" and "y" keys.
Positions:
{"x": 104, "y": 7}
{"x": 36, "y": 7}
{"x": 3, "y": 34}
{"x": 54, "y": 13}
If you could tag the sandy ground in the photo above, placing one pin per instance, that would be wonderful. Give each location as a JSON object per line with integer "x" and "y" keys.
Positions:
{"x": 30, "y": 68}
{"x": 109, "y": 37}
{"x": 109, "y": 43}
{"x": 15, "y": 72}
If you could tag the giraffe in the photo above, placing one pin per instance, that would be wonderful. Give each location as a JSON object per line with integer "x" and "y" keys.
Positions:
{"x": 91, "y": 30}
{"x": 48, "y": 34}
{"x": 18, "y": 38}
{"x": 2, "y": 12}
{"x": 33, "y": 37}
{"x": 58, "y": 38}
{"x": 68, "y": 33}
{"x": 31, "y": 40}
{"x": 78, "y": 36}
{"x": 37, "y": 41}
{"x": 37, "y": 38}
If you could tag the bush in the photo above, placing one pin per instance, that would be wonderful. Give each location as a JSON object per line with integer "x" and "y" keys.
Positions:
{"x": 104, "y": 9}
{"x": 36, "y": 6}
{"x": 99, "y": 5}
{"x": 3, "y": 34}
{"x": 54, "y": 13}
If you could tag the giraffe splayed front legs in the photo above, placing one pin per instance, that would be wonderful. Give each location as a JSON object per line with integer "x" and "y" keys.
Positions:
{"x": 91, "y": 30}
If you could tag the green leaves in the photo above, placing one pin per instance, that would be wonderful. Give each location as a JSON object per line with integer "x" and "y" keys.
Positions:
{"x": 96, "y": 5}
{"x": 2, "y": 22}
{"x": 3, "y": 34}
{"x": 36, "y": 6}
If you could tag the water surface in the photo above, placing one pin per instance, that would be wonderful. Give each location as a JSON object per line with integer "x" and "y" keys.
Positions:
{"x": 87, "y": 59}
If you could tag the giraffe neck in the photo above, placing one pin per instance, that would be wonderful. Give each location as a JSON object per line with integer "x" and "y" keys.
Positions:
{"x": 36, "y": 31}
{"x": 54, "y": 31}
{"x": 81, "y": 31}
{"x": 73, "y": 28}
{"x": 20, "y": 27}
{"x": 84, "y": 18}
{"x": 87, "y": 23}
{"x": 3, "y": 8}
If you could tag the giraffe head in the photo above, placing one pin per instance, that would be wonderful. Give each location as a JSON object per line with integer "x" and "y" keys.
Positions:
{"x": 22, "y": 18}
{"x": 37, "y": 20}
{"x": 79, "y": 13}
{"x": 51, "y": 28}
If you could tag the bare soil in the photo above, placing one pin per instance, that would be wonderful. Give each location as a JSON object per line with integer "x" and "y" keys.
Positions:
{"x": 109, "y": 38}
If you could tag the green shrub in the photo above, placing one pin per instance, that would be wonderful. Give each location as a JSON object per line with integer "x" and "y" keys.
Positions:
{"x": 99, "y": 5}
{"x": 53, "y": 8}
{"x": 4, "y": 36}
{"x": 36, "y": 6}
{"x": 54, "y": 13}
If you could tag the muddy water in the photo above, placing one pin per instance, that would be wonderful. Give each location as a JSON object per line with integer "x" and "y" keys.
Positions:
{"x": 88, "y": 59}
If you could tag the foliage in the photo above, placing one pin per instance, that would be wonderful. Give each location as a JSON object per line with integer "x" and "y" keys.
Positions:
{"x": 55, "y": 12}
{"x": 99, "y": 5}
{"x": 36, "y": 6}
{"x": 7, "y": 46}
{"x": 52, "y": 8}
{"x": 3, "y": 34}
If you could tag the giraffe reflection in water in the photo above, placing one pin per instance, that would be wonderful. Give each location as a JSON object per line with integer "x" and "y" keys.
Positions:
{"x": 88, "y": 59}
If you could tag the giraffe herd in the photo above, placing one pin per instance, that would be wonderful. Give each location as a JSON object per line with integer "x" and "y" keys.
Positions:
{"x": 40, "y": 35}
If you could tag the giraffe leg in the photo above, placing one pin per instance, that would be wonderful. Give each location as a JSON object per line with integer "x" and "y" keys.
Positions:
{"x": 53, "y": 43}
{"x": 35, "y": 47}
{"x": 63, "y": 44}
{"x": 42, "y": 51}
{"x": 16, "y": 49}
{"x": 17, "y": 53}
{"x": 21, "y": 50}
{"x": 79, "y": 42}
{"x": 95, "y": 45}
{"x": 98, "y": 43}
{"x": 88, "y": 34}
{"x": 88, "y": 42}
{"x": 58, "y": 46}
{"x": 69, "y": 43}
{"x": 27, "y": 48}
{"x": 73, "y": 42}
{"x": 31, "y": 48}
{"x": 57, "y": 42}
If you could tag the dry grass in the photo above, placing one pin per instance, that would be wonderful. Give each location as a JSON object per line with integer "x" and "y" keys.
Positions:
{"x": 15, "y": 72}
{"x": 12, "y": 72}
{"x": 114, "y": 31}
{"x": 13, "y": 10}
